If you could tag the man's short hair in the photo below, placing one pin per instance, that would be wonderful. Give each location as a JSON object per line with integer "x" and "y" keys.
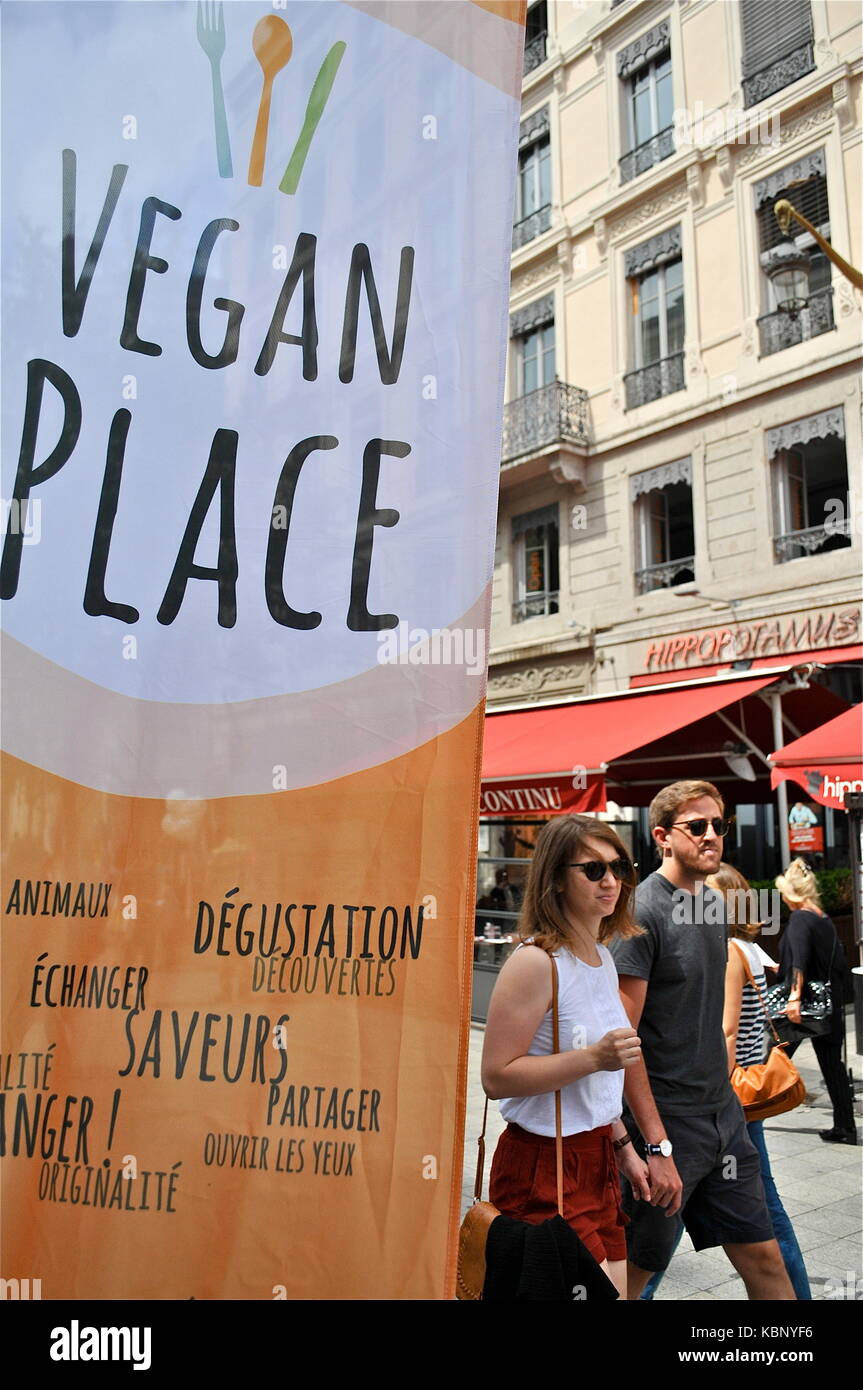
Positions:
{"x": 666, "y": 804}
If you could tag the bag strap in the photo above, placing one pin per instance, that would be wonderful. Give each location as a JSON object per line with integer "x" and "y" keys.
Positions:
{"x": 558, "y": 1138}
{"x": 756, "y": 987}
{"x": 480, "y": 1158}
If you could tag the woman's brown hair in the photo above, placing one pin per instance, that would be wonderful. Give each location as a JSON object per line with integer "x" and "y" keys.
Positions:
{"x": 728, "y": 880}
{"x": 560, "y": 841}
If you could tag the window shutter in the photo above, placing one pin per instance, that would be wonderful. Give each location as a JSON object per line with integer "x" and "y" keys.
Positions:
{"x": 772, "y": 29}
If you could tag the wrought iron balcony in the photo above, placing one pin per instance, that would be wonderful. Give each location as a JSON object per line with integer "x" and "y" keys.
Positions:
{"x": 644, "y": 156}
{"x": 531, "y": 226}
{"x": 778, "y": 330}
{"x": 535, "y": 606}
{"x": 665, "y": 576}
{"x": 554, "y": 414}
{"x": 832, "y": 535}
{"x": 777, "y": 75}
{"x": 658, "y": 379}
{"x": 535, "y": 52}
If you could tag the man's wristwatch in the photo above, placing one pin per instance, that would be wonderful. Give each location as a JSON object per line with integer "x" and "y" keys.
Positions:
{"x": 662, "y": 1149}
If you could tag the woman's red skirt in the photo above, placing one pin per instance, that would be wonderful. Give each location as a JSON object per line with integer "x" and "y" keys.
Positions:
{"x": 523, "y": 1184}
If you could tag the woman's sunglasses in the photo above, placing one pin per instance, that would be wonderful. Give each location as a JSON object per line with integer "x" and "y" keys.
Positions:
{"x": 699, "y": 827}
{"x": 595, "y": 869}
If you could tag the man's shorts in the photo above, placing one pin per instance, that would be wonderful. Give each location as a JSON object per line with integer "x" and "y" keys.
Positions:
{"x": 723, "y": 1195}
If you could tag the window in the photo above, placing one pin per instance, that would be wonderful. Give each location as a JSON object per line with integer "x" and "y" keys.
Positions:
{"x": 810, "y": 486}
{"x": 532, "y": 192}
{"x": 658, "y": 313}
{"x": 535, "y": 36}
{"x": 804, "y": 184}
{"x": 535, "y": 563}
{"x": 535, "y": 359}
{"x": 644, "y": 68}
{"x": 777, "y": 46}
{"x": 655, "y": 274}
{"x": 664, "y": 530}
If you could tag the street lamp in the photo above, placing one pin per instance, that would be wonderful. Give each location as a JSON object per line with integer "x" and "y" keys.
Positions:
{"x": 788, "y": 272}
{"x": 789, "y": 268}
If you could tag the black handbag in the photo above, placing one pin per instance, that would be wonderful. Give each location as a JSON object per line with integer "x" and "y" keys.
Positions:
{"x": 816, "y": 1007}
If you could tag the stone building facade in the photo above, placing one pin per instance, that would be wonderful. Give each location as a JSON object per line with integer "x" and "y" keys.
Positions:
{"x": 680, "y": 469}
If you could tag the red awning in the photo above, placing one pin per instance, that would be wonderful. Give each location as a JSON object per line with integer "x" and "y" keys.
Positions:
{"x": 554, "y": 758}
{"x": 827, "y": 762}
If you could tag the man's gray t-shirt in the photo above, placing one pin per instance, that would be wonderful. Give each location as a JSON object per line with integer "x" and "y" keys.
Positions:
{"x": 683, "y": 961}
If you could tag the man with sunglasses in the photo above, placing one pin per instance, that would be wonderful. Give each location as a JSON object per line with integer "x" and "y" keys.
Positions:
{"x": 686, "y": 1118}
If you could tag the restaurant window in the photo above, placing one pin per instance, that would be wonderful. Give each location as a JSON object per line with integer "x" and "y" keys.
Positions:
{"x": 804, "y": 185}
{"x": 810, "y": 486}
{"x": 664, "y": 528}
{"x": 777, "y": 46}
{"x": 644, "y": 68}
{"x": 533, "y": 186}
{"x": 536, "y": 564}
{"x": 654, "y": 273}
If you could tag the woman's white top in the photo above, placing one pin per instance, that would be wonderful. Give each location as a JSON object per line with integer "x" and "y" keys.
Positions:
{"x": 751, "y": 1043}
{"x": 589, "y": 1006}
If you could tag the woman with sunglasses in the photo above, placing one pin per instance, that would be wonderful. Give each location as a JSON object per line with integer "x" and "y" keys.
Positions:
{"x": 577, "y": 897}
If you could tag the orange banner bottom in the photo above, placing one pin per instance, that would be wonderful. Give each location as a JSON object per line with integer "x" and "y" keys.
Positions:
{"x": 235, "y": 1035}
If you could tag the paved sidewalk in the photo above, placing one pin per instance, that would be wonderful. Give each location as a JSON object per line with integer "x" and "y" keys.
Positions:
{"x": 820, "y": 1187}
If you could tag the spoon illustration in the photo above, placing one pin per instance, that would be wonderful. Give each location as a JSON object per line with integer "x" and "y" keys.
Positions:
{"x": 273, "y": 47}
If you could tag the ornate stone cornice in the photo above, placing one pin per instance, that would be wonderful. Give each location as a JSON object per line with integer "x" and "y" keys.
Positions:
{"x": 533, "y": 679}
{"x": 534, "y": 315}
{"x": 665, "y": 246}
{"x": 540, "y": 516}
{"x": 649, "y": 211}
{"x": 526, "y": 279}
{"x": 802, "y": 169}
{"x": 665, "y": 475}
{"x": 789, "y": 130}
{"x": 644, "y": 49}
{"x": 533, "y": 127}
{"x": 819, "y": 426}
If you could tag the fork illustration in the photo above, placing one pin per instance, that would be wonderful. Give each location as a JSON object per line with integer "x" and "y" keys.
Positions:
{"x": 211, "y": 37}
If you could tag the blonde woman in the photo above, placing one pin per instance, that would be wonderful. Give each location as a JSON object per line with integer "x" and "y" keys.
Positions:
{"x": 743, "y": 1023}
{"x": 810, "y": 950}
{"x": 577, "y": 897}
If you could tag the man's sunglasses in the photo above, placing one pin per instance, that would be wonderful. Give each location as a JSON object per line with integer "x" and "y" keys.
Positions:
{"x": 699, "y": 827}
{"x": 595, "y": 869}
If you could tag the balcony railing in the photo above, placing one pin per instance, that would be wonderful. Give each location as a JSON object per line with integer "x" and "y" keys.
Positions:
{"x": 554, "y": 414}
{"x": 665, "y": 576}
{"x": 531, "y": 226}
{"x": 535, "y": 52}
{"x": 535, "y": 606}
{"x": 775, "y": 76}
{"x": 829, "y": 536}
{"x": 779, "y": 330}
{"x": 644, "y": 156}
{"x": 658, "y": 379}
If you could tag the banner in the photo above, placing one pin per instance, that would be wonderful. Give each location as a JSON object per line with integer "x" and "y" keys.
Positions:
{"x": 255, "y": 307}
